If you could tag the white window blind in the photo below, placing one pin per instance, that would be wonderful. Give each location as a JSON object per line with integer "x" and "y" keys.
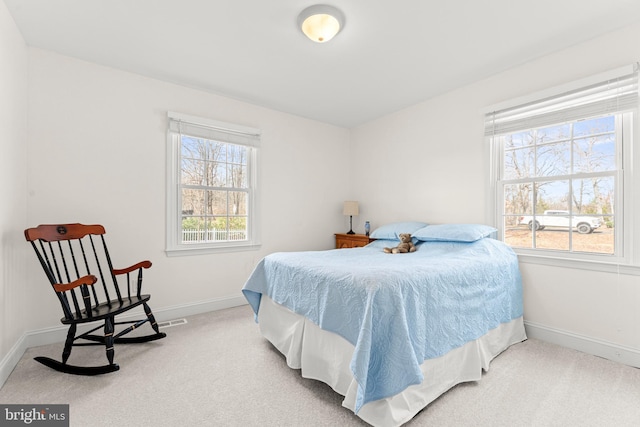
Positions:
{"x": 617, "y": 93}
{"x": 210, "y": 129}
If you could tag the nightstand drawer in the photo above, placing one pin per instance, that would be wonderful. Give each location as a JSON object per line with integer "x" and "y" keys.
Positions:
{"x": 344, "y": 241}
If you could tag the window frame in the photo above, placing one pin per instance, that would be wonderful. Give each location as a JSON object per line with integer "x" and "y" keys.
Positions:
{"x": 174, "y": 244}
{"x": 627, "y": 236}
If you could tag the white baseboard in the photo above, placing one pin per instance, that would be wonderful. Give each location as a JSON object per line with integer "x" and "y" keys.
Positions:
{"x": 59, "y": 333}
{"x": 11, "y": 359}
{"x": 178, "y": 311}
{"x": 607, "y": 350}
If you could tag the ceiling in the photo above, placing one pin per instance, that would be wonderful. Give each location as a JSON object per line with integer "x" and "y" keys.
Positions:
{"x": 391, "y": 53}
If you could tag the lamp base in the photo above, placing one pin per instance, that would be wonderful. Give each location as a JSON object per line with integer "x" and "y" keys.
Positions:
{"x": 351, "y": 225}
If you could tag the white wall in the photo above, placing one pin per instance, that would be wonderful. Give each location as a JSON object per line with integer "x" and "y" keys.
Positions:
{"x": 97, "y": 155}
{"x": 428, "y": 162}
{"x": 13, "y": 184}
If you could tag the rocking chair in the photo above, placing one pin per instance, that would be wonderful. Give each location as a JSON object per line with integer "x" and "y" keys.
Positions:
{"x": 75, "y": 259}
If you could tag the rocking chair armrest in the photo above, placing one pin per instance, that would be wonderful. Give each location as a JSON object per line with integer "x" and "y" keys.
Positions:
{"x": 88, "y": 280}
{"x": 142, "y": 264}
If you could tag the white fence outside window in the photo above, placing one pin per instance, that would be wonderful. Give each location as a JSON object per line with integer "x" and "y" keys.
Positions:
{"x": 195, "y": 235}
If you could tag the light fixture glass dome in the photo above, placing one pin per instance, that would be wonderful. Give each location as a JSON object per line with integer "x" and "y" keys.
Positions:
{"x": 321, "y": 22}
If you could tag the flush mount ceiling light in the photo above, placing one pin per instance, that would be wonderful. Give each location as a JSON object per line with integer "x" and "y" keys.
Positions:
{"x": 321, "y": 22}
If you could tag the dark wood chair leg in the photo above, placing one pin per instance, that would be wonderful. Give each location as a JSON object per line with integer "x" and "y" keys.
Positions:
{"x": 152, "y": 319}
{"x": 108, "y": 338}
{"x": 83, "y": 370}
{"x": 68, "y": 344}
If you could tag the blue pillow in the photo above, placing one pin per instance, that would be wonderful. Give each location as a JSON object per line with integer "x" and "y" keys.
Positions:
{"x": 454, "y": 232}
{"x": 393, "y": 230}
{"x": 385, "y": 243}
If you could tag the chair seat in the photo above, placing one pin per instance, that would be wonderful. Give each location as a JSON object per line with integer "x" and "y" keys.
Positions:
{"x": 104, "y": 310}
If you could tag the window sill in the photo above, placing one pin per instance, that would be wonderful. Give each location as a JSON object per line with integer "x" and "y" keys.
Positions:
{"x": 204, "y": 250}
{"x": 602, "y": 266}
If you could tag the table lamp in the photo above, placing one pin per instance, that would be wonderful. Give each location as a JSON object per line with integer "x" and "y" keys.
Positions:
{"x": 350, "y": 208}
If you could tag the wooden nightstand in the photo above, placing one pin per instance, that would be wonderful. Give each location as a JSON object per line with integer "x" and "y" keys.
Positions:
{"x": 352, "y": 240}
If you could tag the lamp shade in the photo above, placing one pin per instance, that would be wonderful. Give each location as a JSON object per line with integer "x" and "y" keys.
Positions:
{"x": 350, "y": 208}
{"x": 321, "y": 22}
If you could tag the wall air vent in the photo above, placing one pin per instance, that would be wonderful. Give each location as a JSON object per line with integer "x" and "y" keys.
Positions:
{"x": 170, "y": 323}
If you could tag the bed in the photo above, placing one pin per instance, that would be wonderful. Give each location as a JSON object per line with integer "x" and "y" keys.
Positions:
{"x": 392, "y": 332}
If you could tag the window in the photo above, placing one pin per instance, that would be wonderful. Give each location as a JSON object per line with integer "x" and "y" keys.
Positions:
{"x": 212, "y": 191}
{"x": 558, "y": 170}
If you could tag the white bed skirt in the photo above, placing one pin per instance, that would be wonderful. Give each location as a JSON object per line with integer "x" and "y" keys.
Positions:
{"x": 326, "y": 357}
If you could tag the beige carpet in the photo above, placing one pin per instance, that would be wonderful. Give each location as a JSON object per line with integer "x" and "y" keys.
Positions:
{"x": 218, "y": 371}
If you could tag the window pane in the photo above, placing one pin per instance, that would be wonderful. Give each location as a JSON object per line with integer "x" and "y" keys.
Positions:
{"x": 518, "y": 203}
{"x": 520, "y": 139}
{"x": 601, "y": 240}
{"x": 192, "y": 172}
{"x": 518, "y": 198}
{"x": 230, "y": 229}
{"x": 593, "y": 207}
{"x": 217, "y": 203}
{"x": 237, "y": 154}
{"x": 519, "y": 163}
{"x": 516, "y": 234}
{"x": 595, "y": 154}
{"x": 194, "y": 152}
{"x": 553, "y": 238}
{"x": 594, "y": 195}
{"x": 193, "y": 202}
{"x": 553, "y": 159}
{"x": 237, "y": 203}
{"x": 238, "y": 228}
{"x": 553, "y": 133}
{"x": 193, "y": 229}
{"x": 594, "y": 126}
{"x": 237, "y": 158}
{"x": 190, "y": 147}
{"x": 237, "y": 176}
{"x": 202, "y": 149}
{"x": 552, "y": 195}
{"x": 218, "y": 151}
{"x": 216, "y": 174}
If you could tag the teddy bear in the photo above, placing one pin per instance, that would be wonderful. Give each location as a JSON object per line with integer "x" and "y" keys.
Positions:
{"x": 405, "y": 245}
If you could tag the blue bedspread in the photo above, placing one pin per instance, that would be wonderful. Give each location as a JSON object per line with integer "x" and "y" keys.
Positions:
{"x": 397, "y": 310}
